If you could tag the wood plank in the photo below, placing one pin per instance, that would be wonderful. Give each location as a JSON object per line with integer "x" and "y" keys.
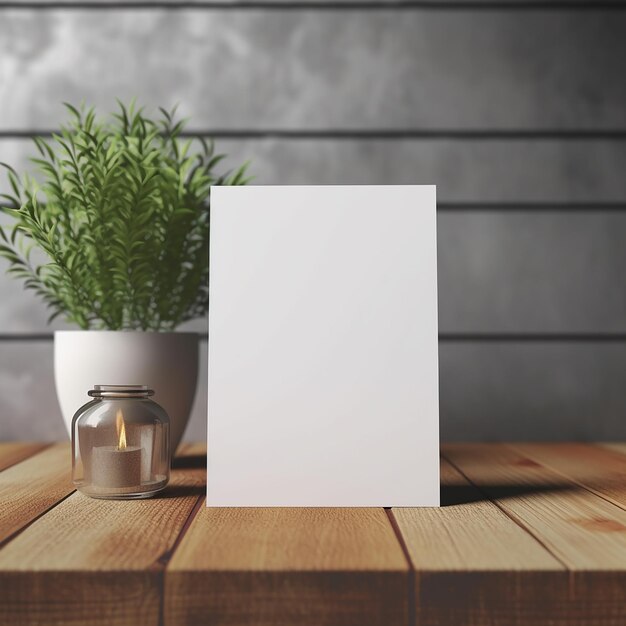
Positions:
{"x": 31, "y": 487}
{"x": 288, "y": 566}
{"x": 344, "y": 69}
{"x": 468, "y": 533}
{"x": 489, "y": 281}
{"x": 600, "y": 470}
{"x": 97, "y": 561}
{"x": 581, "y": 529}
{"x": 474, "y": 565}
{"x": 12, "y": 452}
{"x": 616, "y": 447}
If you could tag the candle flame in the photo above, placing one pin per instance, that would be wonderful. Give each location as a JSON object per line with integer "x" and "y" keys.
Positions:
{"x": 121, "y": 430}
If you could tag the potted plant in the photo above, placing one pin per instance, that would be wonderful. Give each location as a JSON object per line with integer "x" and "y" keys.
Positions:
{"x": 113, "y": 235}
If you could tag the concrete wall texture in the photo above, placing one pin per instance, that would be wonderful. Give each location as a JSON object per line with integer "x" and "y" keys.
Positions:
{"x": 515, "y": 110}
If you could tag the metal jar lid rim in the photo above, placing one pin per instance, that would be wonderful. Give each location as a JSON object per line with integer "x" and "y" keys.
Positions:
{"x": 120, "y": 391}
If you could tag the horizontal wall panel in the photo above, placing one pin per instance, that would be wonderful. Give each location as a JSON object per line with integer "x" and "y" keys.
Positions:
{"x": 522, "y": 272}
{"x": 489, "y": 392}
{"x": 464, "y": 171}
{"x": 28, "y": 406}
{"x": 368, "y": 5}
{"x": 21, "y": 312}
{"x": 541, "y": 171}
{"x": 510, "y": 271}
{"x": 29, "y": 410}
{"x": 532, "y": 391}
{"x": 320, "y": 69}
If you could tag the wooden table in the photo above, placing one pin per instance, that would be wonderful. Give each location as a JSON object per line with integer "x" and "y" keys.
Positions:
{"x": 528, "y": 534}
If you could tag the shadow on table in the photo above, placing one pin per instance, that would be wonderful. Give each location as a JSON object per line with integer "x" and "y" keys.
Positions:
{"x": 190, "y": 462}
{"x": 181, "y": 491}
{"x": 192, "y": 488}
{"x": 453, "y": 495}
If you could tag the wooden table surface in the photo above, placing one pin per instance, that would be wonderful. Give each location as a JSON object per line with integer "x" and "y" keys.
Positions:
{"x": 528, "y": 534}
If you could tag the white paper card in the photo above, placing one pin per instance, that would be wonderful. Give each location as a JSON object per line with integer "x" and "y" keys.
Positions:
{"x": 323, "y": 375}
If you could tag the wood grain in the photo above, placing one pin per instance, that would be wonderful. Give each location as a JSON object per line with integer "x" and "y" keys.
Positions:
{"x": 584, "y": 532}
{"x": 288, "y": 566}
{"x": 468, "y": 532}
{"x": 12, "y": 452}
{"x": 522, "y": 544}
{"x": 31, "y": 487}
{"x": 97, "y": 561}
{"x": 474, "y": 565}
{"x": 600, "y": 470}
{"x": 616, "y": 447}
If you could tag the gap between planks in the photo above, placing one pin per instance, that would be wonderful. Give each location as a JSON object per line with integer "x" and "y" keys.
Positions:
{"x": 312, "y": 566}
{"x": 520, "y": 464}
{"x": 471, "y": 561}
{"x": 582, "y": 529}
{"x": 11, "y": 455}
{"x": 599, "y": 470}
{"x": 521, "y": 545}
{"x": 112, "y": 571}
{"x": 484, "y": 494}
{"x": 186, "y": 451}
{"x": 411, "y": 614}
{"x": 32, "y": 487}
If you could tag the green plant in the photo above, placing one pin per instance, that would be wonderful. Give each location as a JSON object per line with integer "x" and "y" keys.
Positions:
{"x": 121, "y": 214}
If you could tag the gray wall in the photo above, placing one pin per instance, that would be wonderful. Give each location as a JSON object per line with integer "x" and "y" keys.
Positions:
{"x": 516, "y": 110}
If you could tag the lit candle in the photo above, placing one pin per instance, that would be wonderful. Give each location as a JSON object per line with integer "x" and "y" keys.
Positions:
{"x": 116, "y": 466}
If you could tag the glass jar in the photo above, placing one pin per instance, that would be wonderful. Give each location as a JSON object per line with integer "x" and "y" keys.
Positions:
{"x": 120, "y": 443}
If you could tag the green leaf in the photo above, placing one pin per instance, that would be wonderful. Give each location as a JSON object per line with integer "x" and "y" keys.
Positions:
{"x": 120, "y": 218}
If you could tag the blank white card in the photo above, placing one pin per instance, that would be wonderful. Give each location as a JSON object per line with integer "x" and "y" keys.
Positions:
{"x": 323, "y": 375}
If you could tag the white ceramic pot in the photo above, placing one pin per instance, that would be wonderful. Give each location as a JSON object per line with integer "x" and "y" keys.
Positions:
{"x": 166, "y": 362}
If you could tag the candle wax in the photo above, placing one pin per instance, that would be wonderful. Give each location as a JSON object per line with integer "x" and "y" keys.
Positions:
{"x": 116, "y": 467}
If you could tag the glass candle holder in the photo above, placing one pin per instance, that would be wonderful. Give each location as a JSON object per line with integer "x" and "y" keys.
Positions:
{"x": 120, "y": 443}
